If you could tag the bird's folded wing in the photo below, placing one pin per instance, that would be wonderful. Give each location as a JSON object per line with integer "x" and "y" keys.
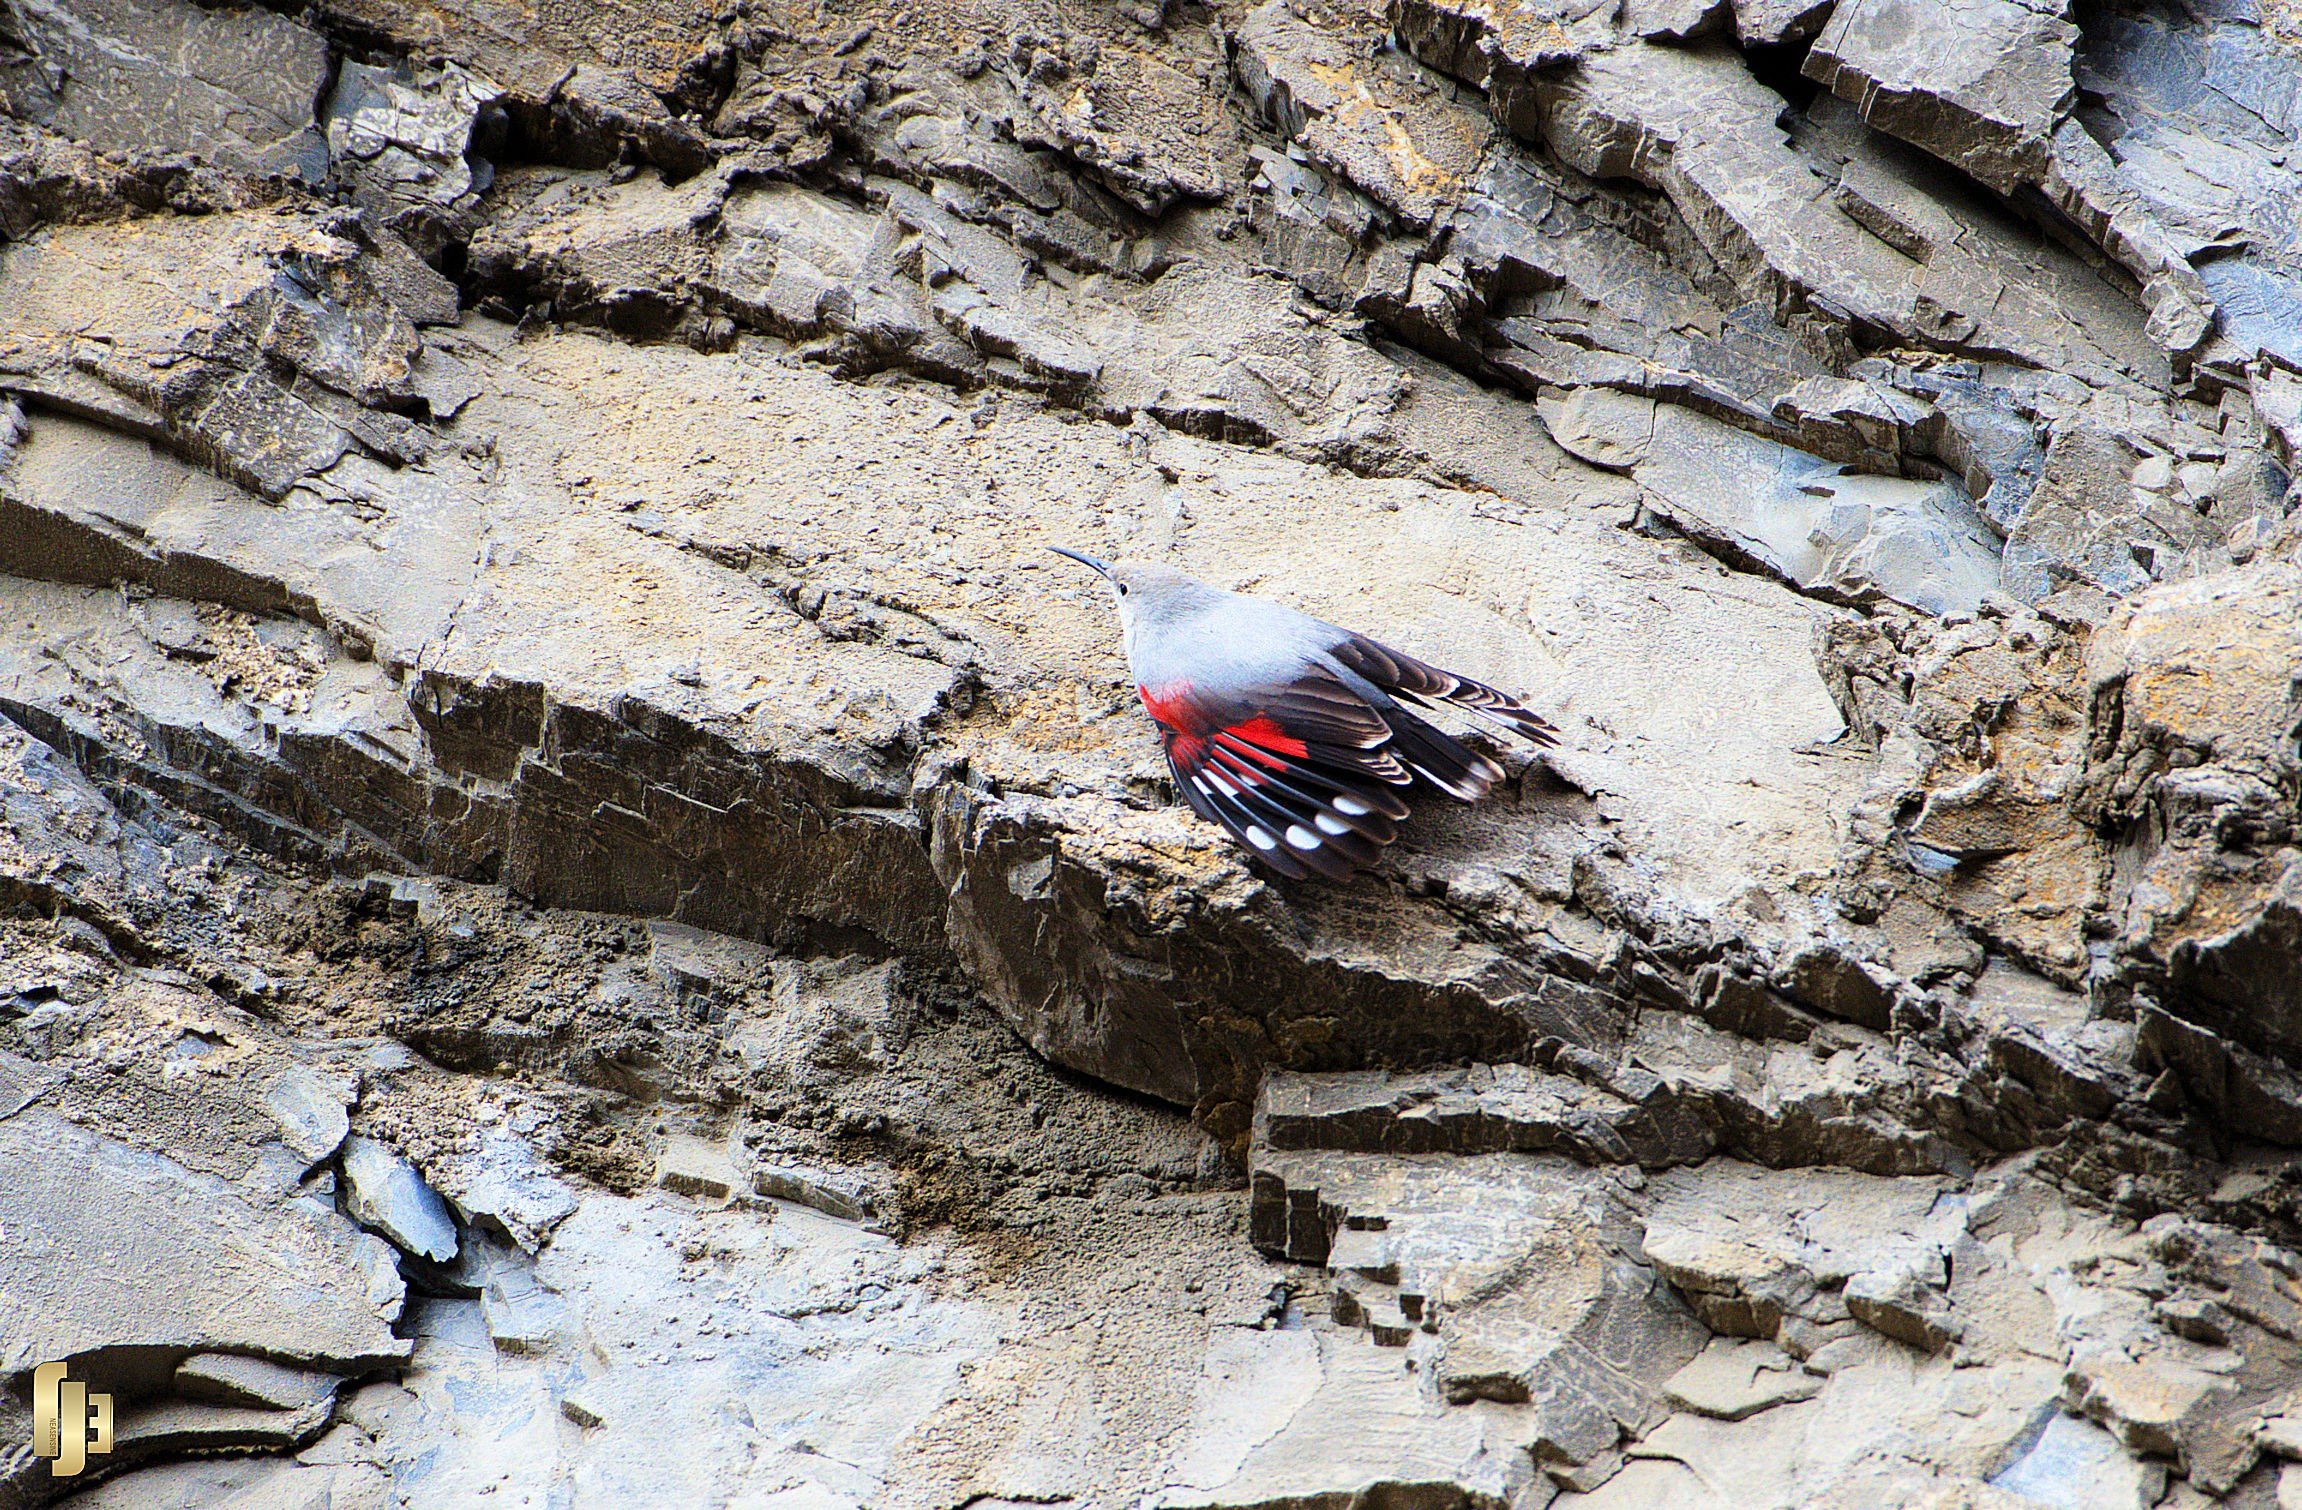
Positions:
{"x": 1294, "y": 775}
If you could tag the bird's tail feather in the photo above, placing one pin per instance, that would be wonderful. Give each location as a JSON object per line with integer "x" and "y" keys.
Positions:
{"x": 1399, "y": 673}
{"x": 1436, "y": 757}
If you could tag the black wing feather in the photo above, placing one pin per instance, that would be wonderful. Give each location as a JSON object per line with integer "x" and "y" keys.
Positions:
{"x": 1276, "y": 801}
{"x": 1306, "y": 775}
{"x": 1301, "y": 786}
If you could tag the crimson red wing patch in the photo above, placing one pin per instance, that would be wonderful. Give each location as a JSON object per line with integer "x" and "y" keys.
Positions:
{"x": 1263, "y": 733}
{"x": 1302, "y": 807}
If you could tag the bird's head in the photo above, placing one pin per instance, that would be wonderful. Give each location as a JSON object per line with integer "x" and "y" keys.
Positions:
{"x": 1146, "y": 592}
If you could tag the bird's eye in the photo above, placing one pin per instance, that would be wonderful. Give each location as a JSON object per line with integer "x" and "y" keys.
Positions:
{"x": 1123, "y": 589}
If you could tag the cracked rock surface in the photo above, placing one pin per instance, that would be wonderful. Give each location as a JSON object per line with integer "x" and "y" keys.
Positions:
{"x": 586, "y": 919}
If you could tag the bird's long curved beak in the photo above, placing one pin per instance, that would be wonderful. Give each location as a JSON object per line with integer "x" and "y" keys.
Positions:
{"x": 1082, "y": 558}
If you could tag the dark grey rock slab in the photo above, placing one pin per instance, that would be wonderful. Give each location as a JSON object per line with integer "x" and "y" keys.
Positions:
{"x": 234, "y": 86}
{"x": 1504, "y": 1108}
{"x": 387, "y": 1193}
{"x": 1816, "y": 524}
{"x": 311, "y": 1108}
{"x": 1979, "y": 83}
{"x": 1408, "y": 143}
{"x": 110, "y": 1247}
{"x": 1525, "y": 1269}
{"x": 237, "y": 1379}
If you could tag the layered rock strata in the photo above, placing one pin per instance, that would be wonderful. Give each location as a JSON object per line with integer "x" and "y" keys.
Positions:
{"x": 577, "y": 885}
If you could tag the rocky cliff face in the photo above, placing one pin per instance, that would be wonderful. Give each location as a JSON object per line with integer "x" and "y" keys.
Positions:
{"x": 590, "y": 921}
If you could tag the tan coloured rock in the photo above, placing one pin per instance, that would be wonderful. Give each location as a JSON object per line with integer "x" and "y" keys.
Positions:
{"x": 1731, "y": 1379}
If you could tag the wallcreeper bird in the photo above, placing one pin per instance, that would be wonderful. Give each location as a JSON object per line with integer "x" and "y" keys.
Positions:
{"x": 1291, "y": 733}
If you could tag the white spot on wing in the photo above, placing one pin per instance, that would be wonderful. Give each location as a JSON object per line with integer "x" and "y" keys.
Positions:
{"x": 1352, "y": 806}
{"x": 1260, "y": 839}
{"x": 1331, "y": 825}
{"x": 1301, "y": 837}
